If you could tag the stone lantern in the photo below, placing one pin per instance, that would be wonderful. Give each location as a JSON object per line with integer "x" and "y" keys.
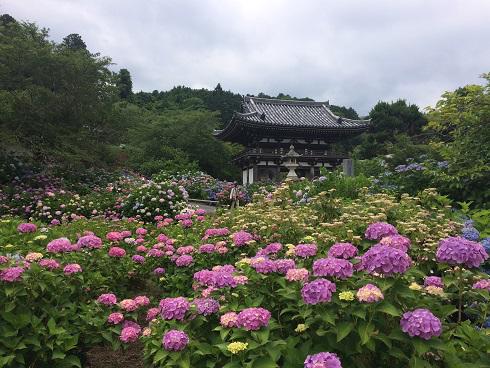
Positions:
{"x": 290, "y": 162}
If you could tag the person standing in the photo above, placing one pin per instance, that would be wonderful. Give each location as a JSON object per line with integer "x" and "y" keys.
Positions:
{"x": 235, "y": 203}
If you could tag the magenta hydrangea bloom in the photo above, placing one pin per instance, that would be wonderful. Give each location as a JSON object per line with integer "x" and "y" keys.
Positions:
{"x": 156, "y": 253}
{"x": 216, "y": 232}
{"x": 141, "y": 231}
{"x": 217, "y": 279}
{"x": 129, "y": 334}
{"x": 342, "y": 250}
{"x": 379, "y": 230}
{"x": 152, "y": 313}
{"x": 159, "y": 271}
{"x": 318, "y": 291}
{"x": 385, "y": 260}
{"x": 27, "y": 228}
{"x": 421, "y": 323}
{"x": 263, "y": 265}
{"x": 107, "y": 299}
{"x": 184, "y": 261}
{"x": 117, "y": 252}
{"x": 114, "y": 236}
{"x": 333, "y": 267}
{"x": 206, "y": 248}
{"x": 241, "y": 238}
{"x": 89, "y": 241}
{"x": 188, "y": 249}
{"x": 174, "y": 308}
{"x": 322, "y": 360}
{"x": 433, "y": 281}
{"x": 271, "y": 248}
{"x": 305, "y": 250}
{"x": 458, "y": 250}
{"x": 115, "y": 318}
{"x": 482, "y": 284}
{"x": 175, "y": 340}
{"x": 252, "y": 319}
{"x": 229, "y": 320}
{"x": 142, "y": 300}
{"x": 11, "y": 274}
{"x": 4, "y": 259}
{"x": 50, "y": 264}
{"x": 369, "y": 294}
{"x": 138, "y": 259}
{"x": 72, "y": 268}
{"x": 59, "y": 245}
{"x": 206, "y": 306}
{"x": 283, "y": 265}
{"x": 397, "y": 241}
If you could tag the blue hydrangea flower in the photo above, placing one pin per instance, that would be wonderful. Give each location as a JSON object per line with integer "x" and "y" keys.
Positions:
{"x": 470, "y": 233}
{"x": 486, "y": 244}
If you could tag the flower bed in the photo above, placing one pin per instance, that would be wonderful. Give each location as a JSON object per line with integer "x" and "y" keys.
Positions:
{"x": 369, "y": 281}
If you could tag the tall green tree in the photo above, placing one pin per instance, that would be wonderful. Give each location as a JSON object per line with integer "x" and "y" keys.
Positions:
{"x": 74, "y": 42}
{"x": 124, "y": 84}
{"x": 460, "y": 128}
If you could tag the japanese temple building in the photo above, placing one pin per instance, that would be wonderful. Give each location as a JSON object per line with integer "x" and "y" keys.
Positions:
{"x": 269, "y": 127}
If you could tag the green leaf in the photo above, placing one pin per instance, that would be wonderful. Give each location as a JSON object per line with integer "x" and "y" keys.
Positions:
{"x": 264, "y": 362}
{"x": 365, "y": 330}
{"x": 388, "y": 308}
{"x": 343, "y": 329}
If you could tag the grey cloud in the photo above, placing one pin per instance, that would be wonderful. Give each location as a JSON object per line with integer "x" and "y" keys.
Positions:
{"x": 352, "y": 53}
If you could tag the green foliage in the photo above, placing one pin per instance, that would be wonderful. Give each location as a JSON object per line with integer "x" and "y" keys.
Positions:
{"x": 460, "y": 124}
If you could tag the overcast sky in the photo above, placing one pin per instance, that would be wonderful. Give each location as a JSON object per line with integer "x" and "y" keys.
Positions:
{"x": 352, "y": 53}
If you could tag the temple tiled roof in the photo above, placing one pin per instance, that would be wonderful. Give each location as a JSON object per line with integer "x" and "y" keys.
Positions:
{"x": 294, "y": 113}
{"x": 287, "y": 118}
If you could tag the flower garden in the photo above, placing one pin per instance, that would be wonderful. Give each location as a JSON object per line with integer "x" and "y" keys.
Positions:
{"x": 303, "y": 276}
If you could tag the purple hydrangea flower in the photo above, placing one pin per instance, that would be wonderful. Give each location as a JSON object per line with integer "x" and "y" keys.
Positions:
{"x": 385, "y": 260}
{"x": 241, "y": 238}
{"x": 422, "y": 323}
{"x": 342, "y": 250}
{"x": 433, "y": 281}
{"x": 217, "y": 279}
{"x": 206, "y": 248}
{"x": 379, "y": 230}
{"x": 138, "y": 259}
{"x": 322, "y": 360}
{"x": 72, "y": 268}
{"x": 175, "y": 340}
{"x": 184, "y": 261}
{"x": 89, "y": 241}
{"x": 206, "y": 306}
{"x": 252, "y": 319}
{"x": 50, "y": 264}
{"x": 152, "y": 313}
{"x": 305, "y": 250}
{"x": 482, "y": 284}
{"x": 159, "y": 271}
{"x": 271, "y": 248}
{"x": 263, "y": 265}
{"x": 174, "y": 308}
{"x": 59, "y": 245}
{"x": 27, "y": 228}
{"x": 318, "y": 291}
{"x": 334, "y": 267}
{"x": 458, "y": 250}
{"x": 283, "y": 265}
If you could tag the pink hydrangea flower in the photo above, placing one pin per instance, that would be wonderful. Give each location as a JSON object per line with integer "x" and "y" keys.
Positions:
{"x": 322, "y": 360}
{"x": 59, "y": 245}
{"x": 334, "y": 267}
{"x": 397, "y": 241}
{"x": 115, "y": 318}
{"x": 433, "y": 281}
{"x": 229, "y": 320}
{"x": 369, "y": 294}
{"x": 252, "y": 319}
{"x": 174, "y": 308}
{"x": 482, "y": 285}
{"x": 129, "y": 305}
{"x": 152, "y": 313}
{"x": 184, "y": 261}
{"x": 107, "y": 299}
{"x": 142, "y": 300}
{"x": 26, "y": 228}
{"x": 117, "y": 252}
{"x": 206, "y": 248}
{"x": 114, "y": 236}
{"x": 159, "y": 271}
{"x": 297, "y": 274}
{"x": 138, "y": 259}
{"x": 421, "y": 323}
{"x": 305, "y": 250}
{"x": 241, "y": 238}
{"x": 129, "y": 334}
{"x": 72, "y": 268}
{"x": 141, "y": 231}
{"x": 11, "y": 274}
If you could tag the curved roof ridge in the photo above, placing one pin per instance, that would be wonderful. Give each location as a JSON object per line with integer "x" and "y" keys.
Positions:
{"x": 279, "y": 101}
